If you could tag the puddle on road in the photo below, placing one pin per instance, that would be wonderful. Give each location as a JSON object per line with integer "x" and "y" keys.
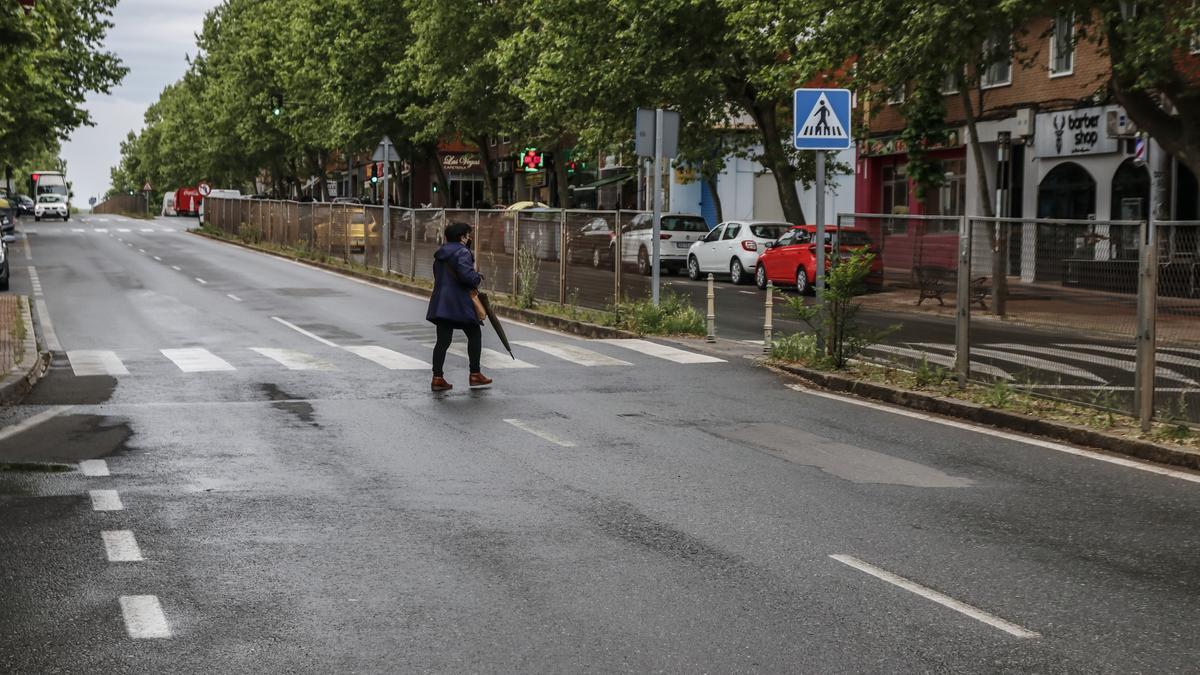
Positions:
{"x": 289, "y": 403}
{"x": 850, "y": 462}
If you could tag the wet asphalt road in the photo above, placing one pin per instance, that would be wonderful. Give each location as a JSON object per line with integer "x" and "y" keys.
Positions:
{"x": 654, "y": 516}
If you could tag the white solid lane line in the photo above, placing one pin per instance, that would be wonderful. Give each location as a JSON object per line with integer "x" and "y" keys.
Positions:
{"x": 387, "y": 358}
{"x": 121, "y": 546}
{"x": 294, "y": 360}
{"x": 540, "y": 434}
{"x": 95, "y": 362}
{"x": 662, "y": 351}
{"x": 576, "y": 355}
{"x": 106, "y": 500}
{"x": 52, "y": 342}
{"x": 489, "y": 358}
{"x": 940, "y": 598}
{"x": 1049, "y": 445}
{"x": 200, "y": 281}
{"x": 303, "y": 332}
{"x": 233, "y": 297}
{"x": 197, "y": 360}
{"x": 144, "y": 617}
{"x": 31, "y": 422}
{"x": 28, "y": 249}
{"x": 94, "y": 467}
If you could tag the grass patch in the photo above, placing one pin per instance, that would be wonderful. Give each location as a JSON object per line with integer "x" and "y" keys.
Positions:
{"x": 673, "y": 315}
{"x": 18, "y": 333}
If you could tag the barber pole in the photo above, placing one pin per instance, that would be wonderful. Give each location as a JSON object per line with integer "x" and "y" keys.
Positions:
{"x": 1139, "y": 151}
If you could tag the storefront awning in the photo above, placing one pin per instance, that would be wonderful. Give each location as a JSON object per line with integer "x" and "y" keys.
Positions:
{"x": 611, "y": 180}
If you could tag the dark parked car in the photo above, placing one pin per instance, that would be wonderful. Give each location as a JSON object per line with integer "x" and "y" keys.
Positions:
{"x": 8, "y": 216}
{"x": 23, "y": 204}
{"x": 4, "y": 242}
{"x": 592, "y": 244}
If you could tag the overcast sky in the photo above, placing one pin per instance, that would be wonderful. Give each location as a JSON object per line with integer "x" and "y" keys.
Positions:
{"x": 153, "y": 38}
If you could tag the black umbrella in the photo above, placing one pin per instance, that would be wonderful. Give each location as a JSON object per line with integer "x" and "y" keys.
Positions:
{"x": 491, "y": 315}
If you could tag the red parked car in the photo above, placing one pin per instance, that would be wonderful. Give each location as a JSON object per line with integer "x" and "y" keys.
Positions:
{"x": 792, "y": 259}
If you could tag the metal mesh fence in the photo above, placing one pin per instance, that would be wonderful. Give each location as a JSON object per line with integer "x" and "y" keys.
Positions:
{"x": 574, "y": 257}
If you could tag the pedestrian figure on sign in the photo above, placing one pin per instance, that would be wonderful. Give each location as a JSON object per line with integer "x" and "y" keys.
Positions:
{"x": 822, "y": 126}
{"x": 453, "y": 305}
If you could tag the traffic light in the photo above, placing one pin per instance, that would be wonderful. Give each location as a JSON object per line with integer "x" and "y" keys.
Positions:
{"x": 435, "y": 188}
{"x": 277, "y": 104}
{"x": 374, "y": 179}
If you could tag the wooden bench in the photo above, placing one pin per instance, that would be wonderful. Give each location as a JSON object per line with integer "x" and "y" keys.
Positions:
{"x": 932, "y": 282}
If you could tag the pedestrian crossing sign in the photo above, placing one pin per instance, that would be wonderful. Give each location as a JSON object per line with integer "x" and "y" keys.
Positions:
{"x": 821, "y": 119}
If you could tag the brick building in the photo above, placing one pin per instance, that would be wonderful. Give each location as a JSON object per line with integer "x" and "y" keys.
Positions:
{"x": 1050, "y": 101}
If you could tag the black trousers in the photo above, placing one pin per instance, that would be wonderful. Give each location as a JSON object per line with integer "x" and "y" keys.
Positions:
{"x": 445, "y": 335}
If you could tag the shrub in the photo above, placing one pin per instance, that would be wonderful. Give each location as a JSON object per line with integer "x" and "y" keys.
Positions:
{"x": 527, "y": 278}
{"x": 674, "y": 315}
{"x": 249, "y": 233}
{"x": 798, "y": 348}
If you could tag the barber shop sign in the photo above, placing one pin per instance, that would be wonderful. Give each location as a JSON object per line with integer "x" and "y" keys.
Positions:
{"x": 1066, "y": 133}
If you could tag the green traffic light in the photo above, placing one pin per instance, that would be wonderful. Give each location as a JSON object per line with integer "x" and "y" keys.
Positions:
{"x": 374, "y": 179}
{"x": 276, "y": 112}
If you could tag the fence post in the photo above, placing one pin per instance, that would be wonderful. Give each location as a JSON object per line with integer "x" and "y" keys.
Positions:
{"x": 962, "y": 304}
{"x": 562, "y": 257}
{"x": 412, "y": 244}
{"x": 616, "y": 256}
{"x": 1147, "y": 301}
{"x": 516, "y": 246}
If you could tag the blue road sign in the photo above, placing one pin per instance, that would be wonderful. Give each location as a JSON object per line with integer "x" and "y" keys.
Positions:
{"x": 821, "y": 119}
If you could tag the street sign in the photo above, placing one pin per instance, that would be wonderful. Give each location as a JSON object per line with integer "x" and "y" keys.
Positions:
{"x": 146, "y": 187}
{"x": 821, "y": 119}
{"x": 388, "y": 155}
{"x": 92, "y": 201}
{"x": 205, "y": 189}
{"x": 644, "y": 133}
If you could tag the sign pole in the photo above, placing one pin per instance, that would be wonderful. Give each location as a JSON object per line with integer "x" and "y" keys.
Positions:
{"x": 819, "y": 186}
{"x": 654, "y": 239}
{"x": 387, "y": 213}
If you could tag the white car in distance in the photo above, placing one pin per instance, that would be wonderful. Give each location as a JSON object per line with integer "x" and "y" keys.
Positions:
{"x": 733, "y": 248}
{"x": 51, "y": 206}
{"x": 678, "y": 232}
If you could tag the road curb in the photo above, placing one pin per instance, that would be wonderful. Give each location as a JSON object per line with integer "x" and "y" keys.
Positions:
{"x": 561, "y": 324}
{"x": 1002, "y": 419}
{"x": 17, "y": 384}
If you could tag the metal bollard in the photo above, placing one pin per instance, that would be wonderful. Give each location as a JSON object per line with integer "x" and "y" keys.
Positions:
{"x": 712, "y": 313}
{"x": 769, "y": 305}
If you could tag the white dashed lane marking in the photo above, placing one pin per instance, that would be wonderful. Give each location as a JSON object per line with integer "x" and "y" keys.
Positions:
{"x": 121, "y": 546}
{"x": 144, "y": 618}
{"x": 106, "y": 500}
{"x": 94, "y": 467}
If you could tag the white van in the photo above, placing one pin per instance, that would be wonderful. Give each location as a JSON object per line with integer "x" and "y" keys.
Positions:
{"x": 168, "y": 207}
{"x": 219, "y": 194}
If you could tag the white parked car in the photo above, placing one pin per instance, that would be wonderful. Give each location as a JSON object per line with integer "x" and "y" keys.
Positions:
{"x": 51, "y": 206}
{"x": 679, "y": 231}
{"x": 733, "y": 248}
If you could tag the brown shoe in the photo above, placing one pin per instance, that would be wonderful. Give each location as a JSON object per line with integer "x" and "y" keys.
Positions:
{"x": 478, "y": 381}
{"x": 440, "y": 384}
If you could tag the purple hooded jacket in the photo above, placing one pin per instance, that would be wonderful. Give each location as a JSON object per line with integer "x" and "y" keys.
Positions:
{"x": 451, "y": 299}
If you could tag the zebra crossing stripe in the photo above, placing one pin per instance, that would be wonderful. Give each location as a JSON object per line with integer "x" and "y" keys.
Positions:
{"x": 576, "y": 355}
{"x": 293, "y": 359}
{"x": 1027, "y": 361}
{"x": 95, "y": 362}
{"x": 1129, "y": 367}
{"x": 938, "y": 359}
{"x": 1160, "y": 356}
{"x": 662, "y": 351}
{"x": 387, "y": 358}
{"x": 196, "y": 360}
{"x": 490, "y": 358}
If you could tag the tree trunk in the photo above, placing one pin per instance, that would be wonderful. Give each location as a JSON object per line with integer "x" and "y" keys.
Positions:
{"x": 485, "y": 160}
{"x": 776, "y": 159}
{"x": 999, "y": 273}
{"x": 562, "y": 194}
{"x": 711, "y": 182}
{"x": 321, "y": 193}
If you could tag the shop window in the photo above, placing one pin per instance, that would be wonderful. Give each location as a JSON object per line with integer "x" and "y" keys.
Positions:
{"x": 951, "y": 81}
{"x": 948, "y": 199}
{"x": 466, "y": 191}
{"x": 1062, "y": 46}
{"x": 999, "y": 71}
{"x": 895, "y": 197}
